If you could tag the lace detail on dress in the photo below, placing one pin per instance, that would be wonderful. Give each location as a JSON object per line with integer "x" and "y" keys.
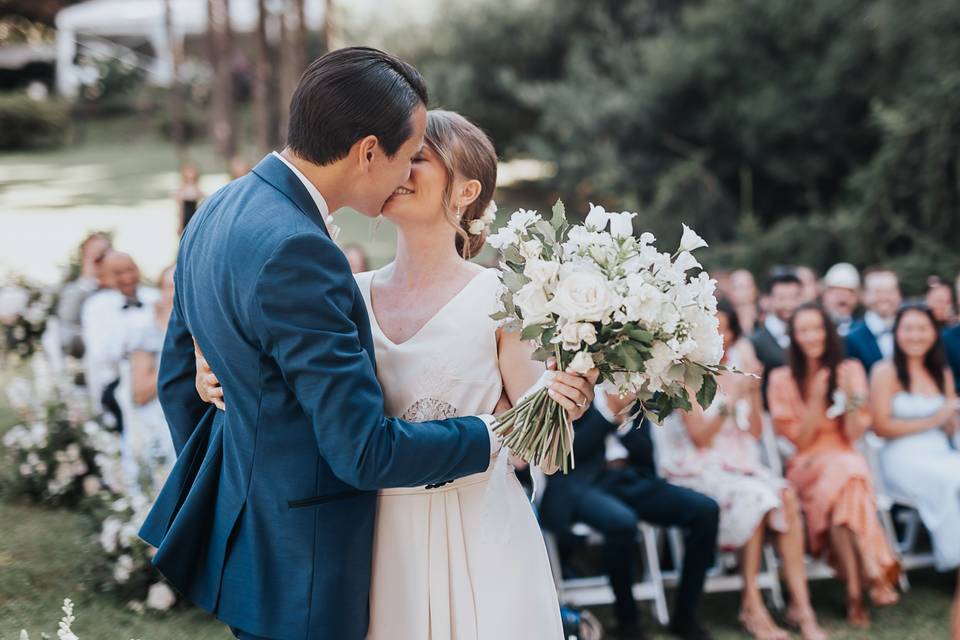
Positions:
{"x": 426, "y": 409}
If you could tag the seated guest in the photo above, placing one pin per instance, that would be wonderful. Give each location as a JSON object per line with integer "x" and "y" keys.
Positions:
{"x": 106, "y": 318}
{"x": 810, "y": 291}
{"x": 146, "y": 439}
{"x": 771, "y": 339}
{"x": 940, "y": 300}
{"x": 915, "y": 408}
{"x": 189, "y": 194}
{"x": 613, "y": 500}
{"x": 818, "y": 402}
{"x": 841, "y": 295}
{"x": 871, "y": 340}
{"x": 716, "y": 452}
{"x": 76, "y": 292}
{"x": 743, "y": 295}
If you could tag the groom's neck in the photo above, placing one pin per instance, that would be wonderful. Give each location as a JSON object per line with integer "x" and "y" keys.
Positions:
{"x": 325, "y": 178}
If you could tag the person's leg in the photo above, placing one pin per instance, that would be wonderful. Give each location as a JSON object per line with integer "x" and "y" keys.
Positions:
{"x": 658, "y": 502}
{"x": 790, "y": 545}
{"x": 843, "y": 546}
{"x": 618, "y": 524}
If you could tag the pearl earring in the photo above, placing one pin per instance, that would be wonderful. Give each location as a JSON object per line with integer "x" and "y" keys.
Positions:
{"x": 458, "y": 212}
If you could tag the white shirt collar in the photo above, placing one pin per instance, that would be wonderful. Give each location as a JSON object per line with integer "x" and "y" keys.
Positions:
{"x": 312, "y": 190}
{"x": 877, "y": 325}
{"x": 778, "y": 329}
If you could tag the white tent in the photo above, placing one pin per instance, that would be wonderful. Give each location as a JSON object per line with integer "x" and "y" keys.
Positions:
{"x": 92, "y": 23}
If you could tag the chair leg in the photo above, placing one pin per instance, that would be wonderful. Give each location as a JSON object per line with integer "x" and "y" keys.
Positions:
{"x": 772, "y": 569}
{"x": 649, "y": 535}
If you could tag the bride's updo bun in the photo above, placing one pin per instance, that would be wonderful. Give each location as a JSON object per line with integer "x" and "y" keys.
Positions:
{"x": 465, "y": 151}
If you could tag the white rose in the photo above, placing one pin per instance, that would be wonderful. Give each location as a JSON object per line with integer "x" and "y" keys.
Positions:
{"x": 476, "y": 227}
{"x": 574, "y": 333}
{"x": 621, "y": 224}
{"x": 587, "y": 332}
{"x": 160, "y": 597}
{"x": 541, "y": 271}
{"x": 597, "y": 218}
{"x": 532, "y": 302}
{"x": 690, "y": 240}
{"x": 582, "y": 363}
{"x": 583, "y": 296}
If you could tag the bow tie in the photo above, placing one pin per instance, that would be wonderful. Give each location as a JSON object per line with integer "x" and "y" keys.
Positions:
{"x": 132, "y": 304}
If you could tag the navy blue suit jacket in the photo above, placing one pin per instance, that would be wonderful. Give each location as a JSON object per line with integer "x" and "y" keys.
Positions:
{"x": 862, "y": 345}
{"x": 951, "y": 344}
{"x": 267, "y": 517}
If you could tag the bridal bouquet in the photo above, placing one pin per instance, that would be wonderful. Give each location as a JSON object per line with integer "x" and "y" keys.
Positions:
{"x": 595, "y": 295}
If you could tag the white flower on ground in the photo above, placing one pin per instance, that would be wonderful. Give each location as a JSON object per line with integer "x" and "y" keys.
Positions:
{"x": 621, "y": 224}
{"x": 160, "y": 597}
{"x": 581, "y": 363}
{"x": 123, "y": 569}
{"x": 109, "y": 532}
{"x": 690, "y": 240}
{"x": 532, "y": 302}
{"x": 597, "y": 218}
{"x": 583, "y": 295}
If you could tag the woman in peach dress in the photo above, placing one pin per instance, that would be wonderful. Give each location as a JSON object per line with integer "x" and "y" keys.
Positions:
{"x": 818, "y": 402}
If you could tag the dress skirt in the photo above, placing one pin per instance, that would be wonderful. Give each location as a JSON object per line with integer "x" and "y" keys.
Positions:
{"x": 438, "y": 575}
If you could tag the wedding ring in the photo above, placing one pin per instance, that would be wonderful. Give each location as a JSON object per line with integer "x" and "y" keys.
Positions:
{"x": 582, "y": 404}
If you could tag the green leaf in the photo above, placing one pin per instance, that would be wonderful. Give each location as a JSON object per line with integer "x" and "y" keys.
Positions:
{"x": 514, "y": 281}
{"x": 707, "y": 392}
{"x": 512, "y": 255}
{"x": 532, "y": 332}
{"x": 559, "y": 215}
{"x": 547, "y": 231}
{"x": 542, "y": 354}
{"x": 499, "y": 315}
{"x": 548, "y": 334}
{"x": 640, "y": 335}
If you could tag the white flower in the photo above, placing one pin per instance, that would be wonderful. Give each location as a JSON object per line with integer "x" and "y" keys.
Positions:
{"x": 13, "y": 302}
{"x": 505, "y": 237}
{"x": 690, "y": 240}
{"x": 123, "y": 569}
{"x": 490, "y": 213}
{"x": 575, "y": 333}
{"x": 91, "y": 485}
{"x": 476, "y": 227}
{"x": 581, "y": 363}
{"x": 541, "y": 271}
{"x": 532, "y": 301}
{"x": 531, "y": 249}
{"x": 109, "y": 532}
{"x": 685, "y": 261}
{"x": 582, "y": 295}
{"x": 647, "y": 238}
{"x": 597, "y": 218}
{"x": 160, "y": 597}
{"x": 522, "y": 219}
{"x": 621, "y": 224}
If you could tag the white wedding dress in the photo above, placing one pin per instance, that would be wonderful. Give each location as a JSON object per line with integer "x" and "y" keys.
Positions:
{"x": 437, "y": 574}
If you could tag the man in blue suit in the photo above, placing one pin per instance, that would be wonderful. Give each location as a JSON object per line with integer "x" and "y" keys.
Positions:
{"x": 951, "y": 344}
{"x": 871, "y": 339}
{"x": 267, "y": 517}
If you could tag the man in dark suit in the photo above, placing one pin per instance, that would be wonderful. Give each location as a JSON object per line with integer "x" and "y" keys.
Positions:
{"x": 871, "y": 339}
{"x": 771, "y": 339}
{"x": 613, "y": 499}
{"x": 267, "y": 517}
{"x": 951, "y": 344}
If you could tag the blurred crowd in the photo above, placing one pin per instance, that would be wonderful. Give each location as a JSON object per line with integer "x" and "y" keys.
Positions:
{"x": 850, "y": 407}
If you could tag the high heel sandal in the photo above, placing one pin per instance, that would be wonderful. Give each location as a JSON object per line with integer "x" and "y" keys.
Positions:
{"x": 806, "y": 623}
{"x": 883, "y": 590}
{"x": 857, "y": 614}
{"x": 760, "y": 626}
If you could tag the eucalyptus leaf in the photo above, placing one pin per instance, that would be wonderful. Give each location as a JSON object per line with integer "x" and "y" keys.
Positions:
{"x": 514, "y": 281}
{"x": 532, "y": 332}
{"x": 559, "y": 215}
{"x": 707, "y": 391}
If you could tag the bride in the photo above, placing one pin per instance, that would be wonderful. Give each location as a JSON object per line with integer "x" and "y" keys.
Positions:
{"x": 438, "y": 572}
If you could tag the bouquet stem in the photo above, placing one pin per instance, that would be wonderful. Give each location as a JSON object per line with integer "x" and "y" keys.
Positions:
{"x": 537, "y": 430}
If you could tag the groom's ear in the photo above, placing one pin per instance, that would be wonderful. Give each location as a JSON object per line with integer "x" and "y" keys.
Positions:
{"x": 367, "y": 150}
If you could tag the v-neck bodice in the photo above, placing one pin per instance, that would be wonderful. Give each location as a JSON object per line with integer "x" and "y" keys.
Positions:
{"x": 449, "y": 367}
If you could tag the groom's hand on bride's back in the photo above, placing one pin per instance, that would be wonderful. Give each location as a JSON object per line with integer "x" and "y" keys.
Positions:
{"x": 208, "y": 386}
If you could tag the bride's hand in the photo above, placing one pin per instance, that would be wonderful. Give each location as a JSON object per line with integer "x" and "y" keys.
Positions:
{"x": 574, "y": 392}
{"x": 208, "y": 386}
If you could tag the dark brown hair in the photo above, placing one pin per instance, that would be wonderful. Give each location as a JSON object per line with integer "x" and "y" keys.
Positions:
{"x": 464, "y": 150}
{"x": 833, "y": 352}
{"x": 935, "y": 361}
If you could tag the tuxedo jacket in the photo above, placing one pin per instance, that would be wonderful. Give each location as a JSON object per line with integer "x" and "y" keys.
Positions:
{"x": 267, "y": 518}
{"x": 862, "y": 345}
{"x": 769, "y": 353}
{"x": 951, "y": 344}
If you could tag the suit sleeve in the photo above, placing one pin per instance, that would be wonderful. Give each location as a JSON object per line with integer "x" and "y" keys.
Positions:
{"x": 301, "y": 311}
{"x": 176, "y": 380}
{"x": 591, "y": 433}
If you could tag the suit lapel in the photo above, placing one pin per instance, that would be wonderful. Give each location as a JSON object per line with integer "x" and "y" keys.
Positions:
{"x": 272, "y": 170}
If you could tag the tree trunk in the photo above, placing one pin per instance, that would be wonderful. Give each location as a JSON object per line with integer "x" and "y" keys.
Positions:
{"x": 176, "y": 95}
{"x": 329, "y": 35}
{"x": 261, "y": 82}
{"x": 220, "y": 43}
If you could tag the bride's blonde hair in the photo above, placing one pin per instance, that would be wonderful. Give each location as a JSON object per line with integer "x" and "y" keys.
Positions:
{"x": 464, "y": 150}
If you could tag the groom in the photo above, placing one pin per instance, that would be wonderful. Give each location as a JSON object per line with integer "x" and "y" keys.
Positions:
{"x": 267, "y": 517}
